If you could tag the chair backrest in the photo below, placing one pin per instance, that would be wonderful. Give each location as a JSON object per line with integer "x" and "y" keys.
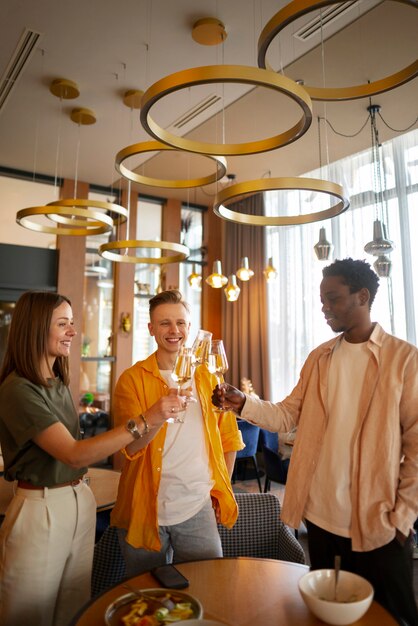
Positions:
{"x": 274, "y": 466}
{"x": 259, "y": 531}
{"x": 108, "y": 563}
{"x": 250, "y": 434}
{"x": 269, "y": 439}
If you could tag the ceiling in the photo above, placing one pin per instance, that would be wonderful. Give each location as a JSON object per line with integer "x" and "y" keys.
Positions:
{"x": 109, "y": 47}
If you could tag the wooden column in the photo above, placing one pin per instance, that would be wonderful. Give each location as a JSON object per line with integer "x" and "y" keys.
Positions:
{"x": 71, "y": 262}
{"x": 213, "y": 229}
{"x": 170, "y": 231}
{"x": 123, "y": 293}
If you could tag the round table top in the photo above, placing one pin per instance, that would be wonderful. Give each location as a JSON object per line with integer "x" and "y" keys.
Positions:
{"x": 103, "y": 483}
{"x": 238, "y": 592}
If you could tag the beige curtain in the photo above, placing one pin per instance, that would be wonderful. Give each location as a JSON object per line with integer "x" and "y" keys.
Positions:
{"x": 245, "y": 321}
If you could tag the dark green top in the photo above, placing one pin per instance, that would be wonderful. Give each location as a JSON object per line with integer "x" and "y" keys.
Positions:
{"x": 27, "y": 409}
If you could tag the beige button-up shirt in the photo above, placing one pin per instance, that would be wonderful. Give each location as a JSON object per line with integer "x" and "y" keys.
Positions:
{"x": 384, "y": 481}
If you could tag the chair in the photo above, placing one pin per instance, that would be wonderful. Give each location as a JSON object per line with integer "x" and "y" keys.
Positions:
{"x": 108, "y": 563}
{"x": 250, "y": 434}
{"x": 259, "y": 531}
{"x": 274, "y": 466}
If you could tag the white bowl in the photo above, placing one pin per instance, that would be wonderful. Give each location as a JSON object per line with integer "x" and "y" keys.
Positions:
{"x": 354, "y": 596}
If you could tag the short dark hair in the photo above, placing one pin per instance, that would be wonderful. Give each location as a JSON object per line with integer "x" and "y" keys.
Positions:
{"x": 357, "y": 274}
{"x": 27, "y": 343}
{"x": 170, "y": 296}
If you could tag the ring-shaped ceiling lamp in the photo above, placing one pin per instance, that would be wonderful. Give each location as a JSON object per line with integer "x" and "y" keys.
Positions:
{"x": 299, "y": 8}
{"x": 226, "y": 74}
{"x": 98, "y": 225}
{"x": 237, "y": 191}
{"x": 113, "y": 249}
{"x": 151, "y": 146}
{"x": 120, "y": 211}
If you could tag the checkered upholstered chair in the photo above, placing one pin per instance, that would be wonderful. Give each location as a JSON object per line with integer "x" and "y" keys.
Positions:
{"x": 259, "y": 531}
{"x": 108, "y": 563}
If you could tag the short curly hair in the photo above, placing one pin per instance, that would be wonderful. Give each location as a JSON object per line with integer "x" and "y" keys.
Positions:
{"x": 357, "y": 274}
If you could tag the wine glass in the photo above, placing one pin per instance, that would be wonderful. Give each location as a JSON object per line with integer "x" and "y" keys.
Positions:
{"x": 217, "y": 364}
{"x": 201, "y": 347}
{"x": 181, "y": 374}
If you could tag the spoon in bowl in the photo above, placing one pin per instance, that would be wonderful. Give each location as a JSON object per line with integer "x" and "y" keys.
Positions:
{"x": 337, "y": 565}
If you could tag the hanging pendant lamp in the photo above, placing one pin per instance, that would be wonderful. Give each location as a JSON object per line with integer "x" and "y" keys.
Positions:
{"x": 232, "y": 290}
{"x": 323, "y": 248}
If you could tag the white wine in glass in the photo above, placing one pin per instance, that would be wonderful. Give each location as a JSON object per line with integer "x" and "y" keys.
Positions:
{"x": 217, "y": 364}
{"x": 181, "y": 374}
{"x": 201, "y": 347}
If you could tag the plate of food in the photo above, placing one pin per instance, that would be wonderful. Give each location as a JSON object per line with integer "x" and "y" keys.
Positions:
{"x": 152, "y": 607}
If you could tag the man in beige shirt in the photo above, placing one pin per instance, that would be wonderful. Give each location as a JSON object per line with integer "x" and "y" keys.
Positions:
{"x": 354, "y": 471}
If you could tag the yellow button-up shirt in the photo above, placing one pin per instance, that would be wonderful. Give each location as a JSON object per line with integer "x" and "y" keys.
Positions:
{"x": 384, "y": 480}
{"x": 138, "y": 388}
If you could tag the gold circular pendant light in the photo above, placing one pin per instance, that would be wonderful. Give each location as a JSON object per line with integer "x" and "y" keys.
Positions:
{"x": 299, "y": 8}
{"x": 92, "y": 222}
{"x": 109, "y": 207}
{"x": 151, "y": 146}
{"x": 226, "y": 74}
{"x": 237, "y": 191}
{"x": 115, "y": 251}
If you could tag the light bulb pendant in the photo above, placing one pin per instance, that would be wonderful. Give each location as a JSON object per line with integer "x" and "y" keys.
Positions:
{"x": 323, "y": 248}
{"x": 232, "y": 290}
{"x": 380, "y": 243}
{"x": 245, "y": 273}
{"x": 216, "y": 279}
{"x": 270, "y": 272}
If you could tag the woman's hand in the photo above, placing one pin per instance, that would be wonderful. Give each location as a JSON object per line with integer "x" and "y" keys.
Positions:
{"x": 229, "y": 398}
{"x": 166, "y": 407}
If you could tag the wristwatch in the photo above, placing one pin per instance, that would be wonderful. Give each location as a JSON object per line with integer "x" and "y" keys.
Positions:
{"x": 133, "y": 429}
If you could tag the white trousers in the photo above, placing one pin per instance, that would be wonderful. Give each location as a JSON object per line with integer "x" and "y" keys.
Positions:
{"x": 46, "y": 555}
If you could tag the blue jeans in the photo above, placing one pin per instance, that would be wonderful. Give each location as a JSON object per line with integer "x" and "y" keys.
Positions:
{"x": 196, "y": 538}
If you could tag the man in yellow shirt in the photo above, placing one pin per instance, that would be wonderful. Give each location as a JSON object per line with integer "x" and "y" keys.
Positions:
{"x": 176, "y": 487}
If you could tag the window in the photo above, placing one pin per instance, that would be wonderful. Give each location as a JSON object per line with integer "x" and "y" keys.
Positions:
{"x": 192, "y": 237}
{"x": 96, "y": 349}
{"x": 296, "y": 323}
{"x": 147, "y": 277}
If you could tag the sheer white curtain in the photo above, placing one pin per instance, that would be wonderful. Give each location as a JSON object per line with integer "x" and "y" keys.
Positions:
{"x": 296, "y": 323}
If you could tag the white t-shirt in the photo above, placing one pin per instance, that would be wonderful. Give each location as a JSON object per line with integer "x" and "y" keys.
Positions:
{"x": 186, "y": 478}
{"x": 329, "y": 502}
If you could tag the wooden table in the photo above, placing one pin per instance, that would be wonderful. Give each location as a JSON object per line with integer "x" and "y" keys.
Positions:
{"x": 238, "y": 592}
{"x": 103, "y": 483}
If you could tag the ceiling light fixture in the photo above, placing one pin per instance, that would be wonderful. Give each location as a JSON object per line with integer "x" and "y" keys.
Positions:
{"x": 232, "y": 290}
{"x": 132, "y": 98}
{"x": 117, "y": 251}
{"x": 380, "y": 244}
{"x": 226, "y": 74}
{"x": 194, "y": 279}
{"x": 270, "y": 272}
{"x": 297, "y": 9}
{"x": 238, "y": 190}
{"x": 216, "y": 279}
{"x": 244, "y": 272}
{"x": 323, "y": 248}
{"x": 209, "y": 31}
{"x": 151, "y": 146}
{"x": 74, "y": 217}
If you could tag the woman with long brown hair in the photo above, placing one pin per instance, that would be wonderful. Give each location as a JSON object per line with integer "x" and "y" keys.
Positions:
{"x": 47, "y": 536}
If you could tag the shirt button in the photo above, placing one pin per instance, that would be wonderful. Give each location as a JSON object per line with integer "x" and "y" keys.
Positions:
{"x": 159, "y": 449}
{"x": 158, "y": 469}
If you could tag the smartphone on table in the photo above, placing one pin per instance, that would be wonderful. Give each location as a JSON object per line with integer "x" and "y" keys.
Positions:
{"x": 170, "y": 577}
